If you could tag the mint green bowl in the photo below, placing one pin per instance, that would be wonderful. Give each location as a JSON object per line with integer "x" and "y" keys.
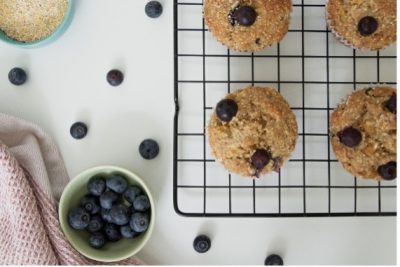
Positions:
{"x": 51, "y": 38}
{"x": 112, "y": 251}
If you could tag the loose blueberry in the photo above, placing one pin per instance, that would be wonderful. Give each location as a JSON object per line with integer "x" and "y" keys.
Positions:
{"x": 131, "y": 193}
{"x": 388, "y": 171}
{"x": 112, "y": 232}
{"x": 107, "y": 199}
{"x": 141, "y": 203}
{"x": 89, "y": 203}
{"x": 96, "y": 185}
{"x": 245, "y": 16}
{"x": 127, "y": 232}
{"x": 202, "y": 243}
{"x": 149, "y": 149}
{"x": 273, "y": 260}
{"x": 367, "y": 26}
{"x": 115, "y": 77}
{"x": 119, "y": 214}
{"x": 139, "y": 222}
{"x": 260, "y": 159}
{"x": 96, "y": 224}
{"x": 226, "y": 110}
{"x": 350, "y": 137}
{"x": 117, "y": 183}
{"x": 17, "y": 76}
{"x": 97, "y": 240}
{"x": 78, "y": 218}
{"x": 105, "y": 215}
{"x": 391, "y": 104}
{"x": 78, "y": 130}
{"x": 153, "y": 9}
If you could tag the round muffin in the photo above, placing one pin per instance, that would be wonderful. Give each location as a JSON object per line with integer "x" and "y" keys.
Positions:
{"x": 248, "y": 25}
{"x": 252, "y": 131}
{"x": 363, "y": 133}
{"x": 369, "y": 24}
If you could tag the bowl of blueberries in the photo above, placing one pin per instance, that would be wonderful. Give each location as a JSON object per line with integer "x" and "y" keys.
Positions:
{"x": 107, "y": 213}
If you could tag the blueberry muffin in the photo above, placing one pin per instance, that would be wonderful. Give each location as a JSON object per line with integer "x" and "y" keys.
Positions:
{"x": 369, "y": 24}
{"x": 248, "y": 25}
{"x": 363, "y": 133}
{"x": 252, "y": 131}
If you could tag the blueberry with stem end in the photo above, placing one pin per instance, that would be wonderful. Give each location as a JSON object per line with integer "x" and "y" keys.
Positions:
{"x": 17, "y": 76}
{"x": 90, "y": 204}
{"x": 139, "y": 222}
{"x": 78, "y": 218}
{"x": 112, "y": 232}
{"x": 78, "y": 130}
{"x": 202, "y": 243}
{"x": 149, "y": 149}
{"x": 96, "y": 224}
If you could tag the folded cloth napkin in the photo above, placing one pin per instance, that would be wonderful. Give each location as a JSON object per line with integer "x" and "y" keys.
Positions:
{"x": 32, "y": 177}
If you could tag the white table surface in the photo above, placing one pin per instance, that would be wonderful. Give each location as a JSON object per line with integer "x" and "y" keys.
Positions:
{"x": 67, "y": 84}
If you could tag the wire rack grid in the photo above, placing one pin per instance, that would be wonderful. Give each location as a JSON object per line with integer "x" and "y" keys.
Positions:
{"x": 314, "y": 72}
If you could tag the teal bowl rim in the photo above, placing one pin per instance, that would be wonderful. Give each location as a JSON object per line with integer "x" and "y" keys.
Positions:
{"x": 99, "y": 169}
{"x": 49, "y": 39}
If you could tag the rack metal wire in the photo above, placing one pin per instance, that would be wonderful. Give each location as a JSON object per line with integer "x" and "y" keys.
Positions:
{"x": 312, "y": 183}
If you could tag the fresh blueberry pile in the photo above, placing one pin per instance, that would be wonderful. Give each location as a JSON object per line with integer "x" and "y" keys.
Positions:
{"x": 111, "y": 210}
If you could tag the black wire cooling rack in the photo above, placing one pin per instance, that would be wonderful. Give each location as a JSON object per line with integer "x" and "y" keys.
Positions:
{"x": 314, "y": 72}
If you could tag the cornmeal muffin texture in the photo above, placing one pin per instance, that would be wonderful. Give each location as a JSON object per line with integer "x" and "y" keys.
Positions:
{"x": 369, "y": 24}
{"x": 31, "y": 20}
{"x": 363, "y": 133}
{"x": 248, "y": 25}
{"x": 259, "y": 137}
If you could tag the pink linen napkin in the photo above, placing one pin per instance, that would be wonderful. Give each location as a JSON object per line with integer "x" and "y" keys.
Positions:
{"x": 32, "y": 177}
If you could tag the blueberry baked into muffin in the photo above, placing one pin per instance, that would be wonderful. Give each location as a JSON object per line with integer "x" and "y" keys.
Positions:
{"x": 363, "y": 133}
{"x": 252, "y": 131}
{"x": 248, "y": 25}
{"x": 369, "y": 24}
